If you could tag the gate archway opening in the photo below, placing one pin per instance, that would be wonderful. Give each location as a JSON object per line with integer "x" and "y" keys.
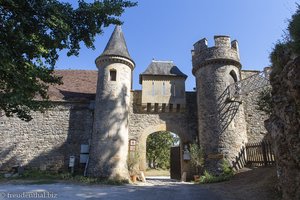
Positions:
{"x": 171, "y": 127}
{"x": 163, "y": 157}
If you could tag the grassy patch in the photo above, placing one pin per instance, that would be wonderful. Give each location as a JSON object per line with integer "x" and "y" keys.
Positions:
{"x": 44, "y": 177}
{"x": 209, "y": 178}
{"x": 157, "y": 172}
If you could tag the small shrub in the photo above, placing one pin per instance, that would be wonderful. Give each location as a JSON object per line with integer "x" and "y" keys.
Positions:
{"x": 132, "y": 162}
{"x": 227, "y": 173}
{"x": 197, "y": 156}
{"x": 264, "y": 101}
{"x": 226, "y": 168}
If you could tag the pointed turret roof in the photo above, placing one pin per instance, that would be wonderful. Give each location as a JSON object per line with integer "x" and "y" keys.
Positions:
{"x": 116, "y": 45}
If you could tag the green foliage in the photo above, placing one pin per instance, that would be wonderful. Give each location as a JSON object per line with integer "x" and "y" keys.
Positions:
{"x": 227, "y": 173}
{"x": 32, "y": 33}
{"x": 46, "y": 177}
{"x": 280, "y": 56}
{"x": 209, "y": 178}
{"x": 226, "y": 168}
{"x": 290, "y": 46}
{"x": 132, "y": 162}
{"x": 264, "y": 101}
{"x": 294, "y": 31}
{"x": 158, "y": 149}
{"x": 197, "y": 156}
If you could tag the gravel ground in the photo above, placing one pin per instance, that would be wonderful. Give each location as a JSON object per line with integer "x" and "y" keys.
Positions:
{"x": 154, "y": 189}
{"x": 251, "y": 184}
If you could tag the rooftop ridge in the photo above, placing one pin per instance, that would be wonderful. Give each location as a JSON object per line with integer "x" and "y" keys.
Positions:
{"x": 163, "y": 61}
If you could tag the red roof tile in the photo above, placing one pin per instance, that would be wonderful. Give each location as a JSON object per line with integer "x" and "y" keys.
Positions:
{"x": 78, "y": 85}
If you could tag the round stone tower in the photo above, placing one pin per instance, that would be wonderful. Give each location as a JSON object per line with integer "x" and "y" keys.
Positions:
{"x": 221, "y": 120}
{"x": 109, "y": 142}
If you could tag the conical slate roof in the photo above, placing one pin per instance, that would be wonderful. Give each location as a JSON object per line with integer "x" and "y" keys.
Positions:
{"x": 162, "y": 68}
{"x": 116, "y": 45}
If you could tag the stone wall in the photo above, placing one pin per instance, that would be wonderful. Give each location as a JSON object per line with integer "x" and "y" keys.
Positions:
{"x": 47, "y": 141}
{"x": 51, "y": 137}
{"x": 142, "y": 124}
{"x": 255, "y": 118}
{"x": 284, "y": 127}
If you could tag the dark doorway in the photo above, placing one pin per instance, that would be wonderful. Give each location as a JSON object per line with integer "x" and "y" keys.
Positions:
{"x": 175, "y": 164}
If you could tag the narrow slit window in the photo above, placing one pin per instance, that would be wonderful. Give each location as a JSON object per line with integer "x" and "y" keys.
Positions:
{"x": 174, "y": 90}
{"x": 164, "y": 89}
{"x": 113, "y": 75}
{"x": 153, "y": 89}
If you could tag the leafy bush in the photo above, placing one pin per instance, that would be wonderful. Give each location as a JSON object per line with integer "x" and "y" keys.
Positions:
{"x": 227, "y": 173}
{"x": 294, "y": 31}
{"x": 226, "y": 168}
{"x": 132, "y": 162}
{"x": 197, "y": 156}
{"x": 287, "y": 48}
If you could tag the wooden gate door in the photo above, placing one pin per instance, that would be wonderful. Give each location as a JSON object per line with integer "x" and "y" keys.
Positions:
{"x": 175, "y": 164}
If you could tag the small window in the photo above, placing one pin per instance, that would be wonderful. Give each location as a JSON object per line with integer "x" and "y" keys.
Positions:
{"x": 113, "y": 75}
{"x": 153, "y": 89}
{"x": 174, "y": 90}
{"x": 233, "y": 76}
{"x": 164, "y": 89}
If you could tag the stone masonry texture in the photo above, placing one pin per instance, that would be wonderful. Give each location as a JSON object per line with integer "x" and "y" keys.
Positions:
{"x": 284, "y": 127}
{"x": 114, "y": 117}
{"x": 48, "y": 140}
{"x": 222, "y": 126}
{"x": 109, "y": 143}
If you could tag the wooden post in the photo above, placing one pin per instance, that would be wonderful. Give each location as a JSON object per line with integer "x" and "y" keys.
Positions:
{"x": 263, "y": 146}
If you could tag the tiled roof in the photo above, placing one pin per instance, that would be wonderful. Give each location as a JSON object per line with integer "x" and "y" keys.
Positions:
{"x": 78, "y": 85}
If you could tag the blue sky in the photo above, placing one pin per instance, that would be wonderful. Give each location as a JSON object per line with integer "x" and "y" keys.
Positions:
{"x": 167, "y": 30}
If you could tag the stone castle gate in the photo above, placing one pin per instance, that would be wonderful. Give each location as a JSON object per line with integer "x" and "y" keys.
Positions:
{"x": 97, "y": 129}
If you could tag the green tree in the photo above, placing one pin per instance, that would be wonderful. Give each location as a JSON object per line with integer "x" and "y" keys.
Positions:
{"x": 31, "y": 34}
{"x": 158, "y": 149}
{"x": 285, "y": 49}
